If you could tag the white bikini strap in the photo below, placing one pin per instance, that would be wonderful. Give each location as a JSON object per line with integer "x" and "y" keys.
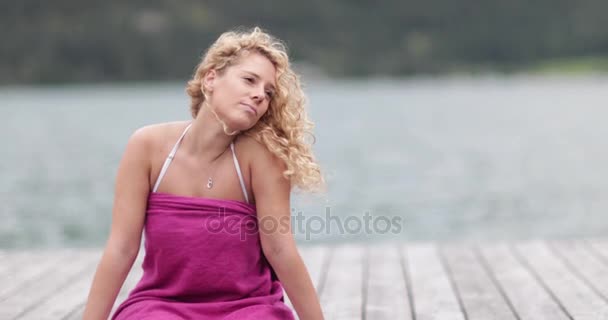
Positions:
{"x": 238, "y": 171}
{"x": 169, "y": 158}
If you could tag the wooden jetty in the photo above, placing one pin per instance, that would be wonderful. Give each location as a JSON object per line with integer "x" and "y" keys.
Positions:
{"x": 536, "y": 280}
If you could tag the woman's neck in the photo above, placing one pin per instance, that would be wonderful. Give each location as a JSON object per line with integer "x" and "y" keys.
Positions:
{"x": 206, "y": 138}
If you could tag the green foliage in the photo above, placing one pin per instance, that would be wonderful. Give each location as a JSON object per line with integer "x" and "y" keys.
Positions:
{"x": 69, "y": 41}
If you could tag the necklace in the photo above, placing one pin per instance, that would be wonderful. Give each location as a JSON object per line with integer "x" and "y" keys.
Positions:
{"x": 212, "y": 165}
{"x": 210, "y": 178}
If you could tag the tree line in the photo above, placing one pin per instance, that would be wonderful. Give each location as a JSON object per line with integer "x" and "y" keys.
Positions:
{"x": 72, "y": 41}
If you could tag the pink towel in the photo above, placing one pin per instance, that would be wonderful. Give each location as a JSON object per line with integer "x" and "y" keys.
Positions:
{"x": 203, "y": 261}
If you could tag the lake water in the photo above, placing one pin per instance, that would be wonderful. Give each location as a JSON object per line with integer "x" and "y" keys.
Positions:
{"x": 418, "y": 159}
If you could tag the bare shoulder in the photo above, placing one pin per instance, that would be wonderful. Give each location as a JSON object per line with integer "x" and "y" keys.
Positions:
{"x": 257, "y": 154}
{"x": 265, "y": 169}
{"x": 154, "y": 137}
{"x": 157, "y": 130}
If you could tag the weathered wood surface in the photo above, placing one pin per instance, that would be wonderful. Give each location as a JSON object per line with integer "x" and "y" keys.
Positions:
{"x": 533, "y": 280}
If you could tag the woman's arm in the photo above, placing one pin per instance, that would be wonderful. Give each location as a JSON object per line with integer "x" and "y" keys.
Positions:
{"x": 272, "y": 195}
{"x": 128, "y": 212}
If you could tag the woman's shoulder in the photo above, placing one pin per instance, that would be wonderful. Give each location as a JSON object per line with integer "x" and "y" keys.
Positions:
{"x": 154, "y": 138}
{"x": 257, "y": 154}
{"x": 250, "y": 147}
{"x": 157, "y": 132}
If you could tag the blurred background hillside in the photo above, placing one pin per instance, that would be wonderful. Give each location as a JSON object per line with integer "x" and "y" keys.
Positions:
{"x": 467, "y": 119}
{"x": 73, "y": 41}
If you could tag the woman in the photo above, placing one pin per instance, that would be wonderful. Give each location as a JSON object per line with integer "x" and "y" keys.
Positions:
{"x": 197, "y": 200}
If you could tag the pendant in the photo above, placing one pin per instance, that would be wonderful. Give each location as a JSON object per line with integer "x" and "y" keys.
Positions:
{"x": 209, "y": 183}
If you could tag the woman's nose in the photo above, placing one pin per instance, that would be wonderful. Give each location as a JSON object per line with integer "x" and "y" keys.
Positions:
{"x": 258, "y": 94}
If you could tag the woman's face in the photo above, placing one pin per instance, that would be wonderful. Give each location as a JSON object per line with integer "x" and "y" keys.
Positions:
{"x": 241, "y": 94}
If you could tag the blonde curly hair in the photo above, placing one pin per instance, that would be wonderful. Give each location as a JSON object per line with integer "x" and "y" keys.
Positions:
{"x": 284, "y": 127}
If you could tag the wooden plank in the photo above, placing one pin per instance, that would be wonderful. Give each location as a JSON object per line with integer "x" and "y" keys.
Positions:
{"x": 432, "y": 292}
{"x": 69, "y": 297}
{"x": 599, "y": 248}
{"x": 52, "y": 282}
{"x": 13, "y": 261}
{"x": 557, "y": 281}
{"x": 313, "y": 257}
{"x": 386, "y": 287}
{"x": 132, "y": 278}
{"x": 342, "y": 294}
{"x": 76, "y": 314}
{"x": 480, "y": 297}
{"x": 580, "y": 301}
{"x": 34, "y": 265}
{"x": 527, "y": 296}
{"x": 580, "y": 261}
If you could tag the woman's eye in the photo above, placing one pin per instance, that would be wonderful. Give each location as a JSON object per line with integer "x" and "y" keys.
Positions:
{"x": 249, "y": 79}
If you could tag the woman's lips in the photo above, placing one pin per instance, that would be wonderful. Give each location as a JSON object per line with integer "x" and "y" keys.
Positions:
{"x": 252, "y": 109}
